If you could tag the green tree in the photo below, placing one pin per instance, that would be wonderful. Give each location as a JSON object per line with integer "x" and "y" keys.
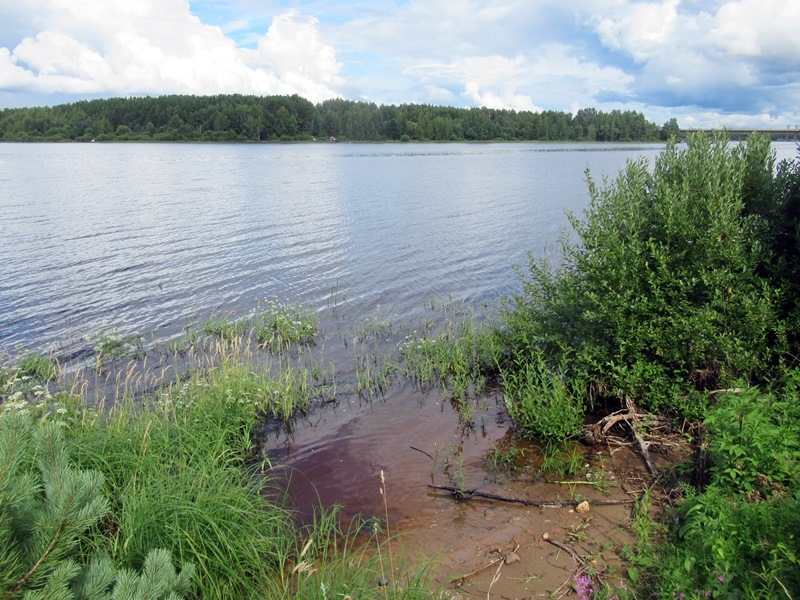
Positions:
{"x": 48, "y": 511}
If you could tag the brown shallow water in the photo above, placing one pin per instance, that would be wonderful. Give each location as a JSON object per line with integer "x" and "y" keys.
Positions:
{"x": 336, "y": 457}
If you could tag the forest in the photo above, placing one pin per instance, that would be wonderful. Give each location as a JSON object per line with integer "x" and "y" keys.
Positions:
{"x": 238, "y": 118}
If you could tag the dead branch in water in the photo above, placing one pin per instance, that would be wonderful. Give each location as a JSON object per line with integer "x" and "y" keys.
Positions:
{"x": 468, "y": 494}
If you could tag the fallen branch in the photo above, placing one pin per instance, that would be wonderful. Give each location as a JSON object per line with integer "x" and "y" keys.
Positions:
{"x": 423, "y": 452}
{"x": 598, "y": 432}
{"x": 642, "y": 445}
{"x": 566, "y": 549}
{"x": 467, "y": 494}
{"x": 645, "y": 454}
{"x": 726, "y": 391}
{"x": 483, "y": 568}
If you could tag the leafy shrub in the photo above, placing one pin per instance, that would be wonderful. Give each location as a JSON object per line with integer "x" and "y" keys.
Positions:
{"x": 728, "y": 548}
{"x": 755, "y": 444}
{"x": 666, "y": 282}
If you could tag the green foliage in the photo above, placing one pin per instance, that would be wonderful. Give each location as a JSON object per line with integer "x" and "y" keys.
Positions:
{"x": 238, "y": 118}
{"x": 664, "y": 291}
{"x": 37, "y": 367}
{"x": 180, "y": 480}
{"x": 224, "y": 328}
{"x": 279, "y": 326}
{"x": 755, "y": 444}
{"x": 48, "y": 507}
{"x": 112, "y": 345}
{"x": 562, "y": 460}
{"x": 734, "y": 548}
{"x": 455, "y": 357}
{"x": 540, "y": 401}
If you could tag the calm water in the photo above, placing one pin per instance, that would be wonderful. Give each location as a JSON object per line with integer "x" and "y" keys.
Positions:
{"x": 148, "y": 238}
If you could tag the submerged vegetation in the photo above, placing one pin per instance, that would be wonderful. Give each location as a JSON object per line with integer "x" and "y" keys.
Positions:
{"x": 675, "y": 304}
{"x": 237, "y": 118}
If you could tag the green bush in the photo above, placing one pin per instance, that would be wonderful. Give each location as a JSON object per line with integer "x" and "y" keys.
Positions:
{"x": 666, "y": 284}
{"x": 729, "y": 548}
{"x": 754, "y": 444}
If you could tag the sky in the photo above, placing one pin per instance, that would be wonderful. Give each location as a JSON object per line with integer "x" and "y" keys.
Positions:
{"x": 707, "y": 63}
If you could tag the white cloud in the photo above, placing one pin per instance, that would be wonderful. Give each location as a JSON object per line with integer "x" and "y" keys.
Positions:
{"x": 641, "y": 30}
{"x": 663, "y": 57}
{"x": 490, "y": 99}
{"x": 151, "y": 46}
{"x": 758, "y": 28}
{"x": 293, "y": 48}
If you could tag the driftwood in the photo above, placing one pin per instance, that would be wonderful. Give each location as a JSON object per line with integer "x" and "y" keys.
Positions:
{"x": 597, "y": 432}
{"x": 467, "y": 494}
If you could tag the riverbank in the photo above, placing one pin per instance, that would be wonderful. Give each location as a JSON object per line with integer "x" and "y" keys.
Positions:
{"x": 666, "y": 336}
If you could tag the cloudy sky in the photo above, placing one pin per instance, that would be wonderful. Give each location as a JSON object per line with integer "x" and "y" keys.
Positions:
{"x": 705, "y": 62}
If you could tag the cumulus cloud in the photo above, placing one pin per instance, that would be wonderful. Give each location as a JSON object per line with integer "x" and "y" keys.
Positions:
{"x": 701, "y": 58}
{"x": 733, "y": 57}
{"x": 149, "y": 46}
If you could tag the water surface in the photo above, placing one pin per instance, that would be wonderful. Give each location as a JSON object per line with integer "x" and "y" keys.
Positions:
{"x": 145, "y": 238}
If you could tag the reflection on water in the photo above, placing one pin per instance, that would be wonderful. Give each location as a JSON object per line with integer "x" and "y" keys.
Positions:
{"x": 144, "y": 238}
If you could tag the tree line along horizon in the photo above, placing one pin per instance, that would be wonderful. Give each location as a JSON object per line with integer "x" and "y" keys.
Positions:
{"x": 241, "y": 118}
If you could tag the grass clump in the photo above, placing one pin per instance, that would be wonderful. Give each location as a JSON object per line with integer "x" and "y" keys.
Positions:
{"x": 224, "y": 327}
{"x": 178, "y": 472}
{"x": 280, "y": 326}
{"x": 541, "y": 403}
{"x": 113, "y": 345}
{"x": 38, "y": 367}
{"x": 459, "y": 356}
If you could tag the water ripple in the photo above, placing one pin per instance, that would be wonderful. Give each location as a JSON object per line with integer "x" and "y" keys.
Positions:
{"x": 145, "y": 238}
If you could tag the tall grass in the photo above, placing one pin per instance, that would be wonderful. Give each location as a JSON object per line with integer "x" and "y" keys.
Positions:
{"x": 177, "y": 470}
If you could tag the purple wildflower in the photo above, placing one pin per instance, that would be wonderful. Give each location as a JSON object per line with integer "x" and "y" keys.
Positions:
{"x": 583, "y": 587}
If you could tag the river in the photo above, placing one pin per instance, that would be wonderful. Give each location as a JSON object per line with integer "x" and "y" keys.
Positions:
{"x": 147, "y": 238}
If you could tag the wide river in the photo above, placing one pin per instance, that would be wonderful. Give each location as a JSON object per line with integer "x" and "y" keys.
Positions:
{"x": 147, "y": 238}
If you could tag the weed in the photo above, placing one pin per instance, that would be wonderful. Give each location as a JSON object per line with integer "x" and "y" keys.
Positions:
{"x": 278, "y": 326}
{"x": 113, "y": 345}
{"x": 504, "y": 458}
{"x": 540, "y": 401}
{"x": 38, "y": 367}
{"x": 562, "y": 460}
{"x": 224, "y": 327}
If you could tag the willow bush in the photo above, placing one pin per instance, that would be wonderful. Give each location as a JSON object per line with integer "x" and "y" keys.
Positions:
{"x": 672, "y": 281}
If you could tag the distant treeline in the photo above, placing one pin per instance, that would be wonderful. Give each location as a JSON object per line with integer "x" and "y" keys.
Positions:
{"x": 229, "y": 118}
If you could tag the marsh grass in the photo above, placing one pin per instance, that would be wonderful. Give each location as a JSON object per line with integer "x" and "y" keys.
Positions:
{"x": 457, "y": 356}
{"x": 375, "y": 371}
{"x": 225, "y": 327}
{"x": 279, "y": 326}
{"x": 275, "y": 327}
{"x": 172, "y": 431}
{"x": 112, "y": 345}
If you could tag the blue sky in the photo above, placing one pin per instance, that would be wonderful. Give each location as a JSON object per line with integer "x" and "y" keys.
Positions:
{"x": 733, "y": 63}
